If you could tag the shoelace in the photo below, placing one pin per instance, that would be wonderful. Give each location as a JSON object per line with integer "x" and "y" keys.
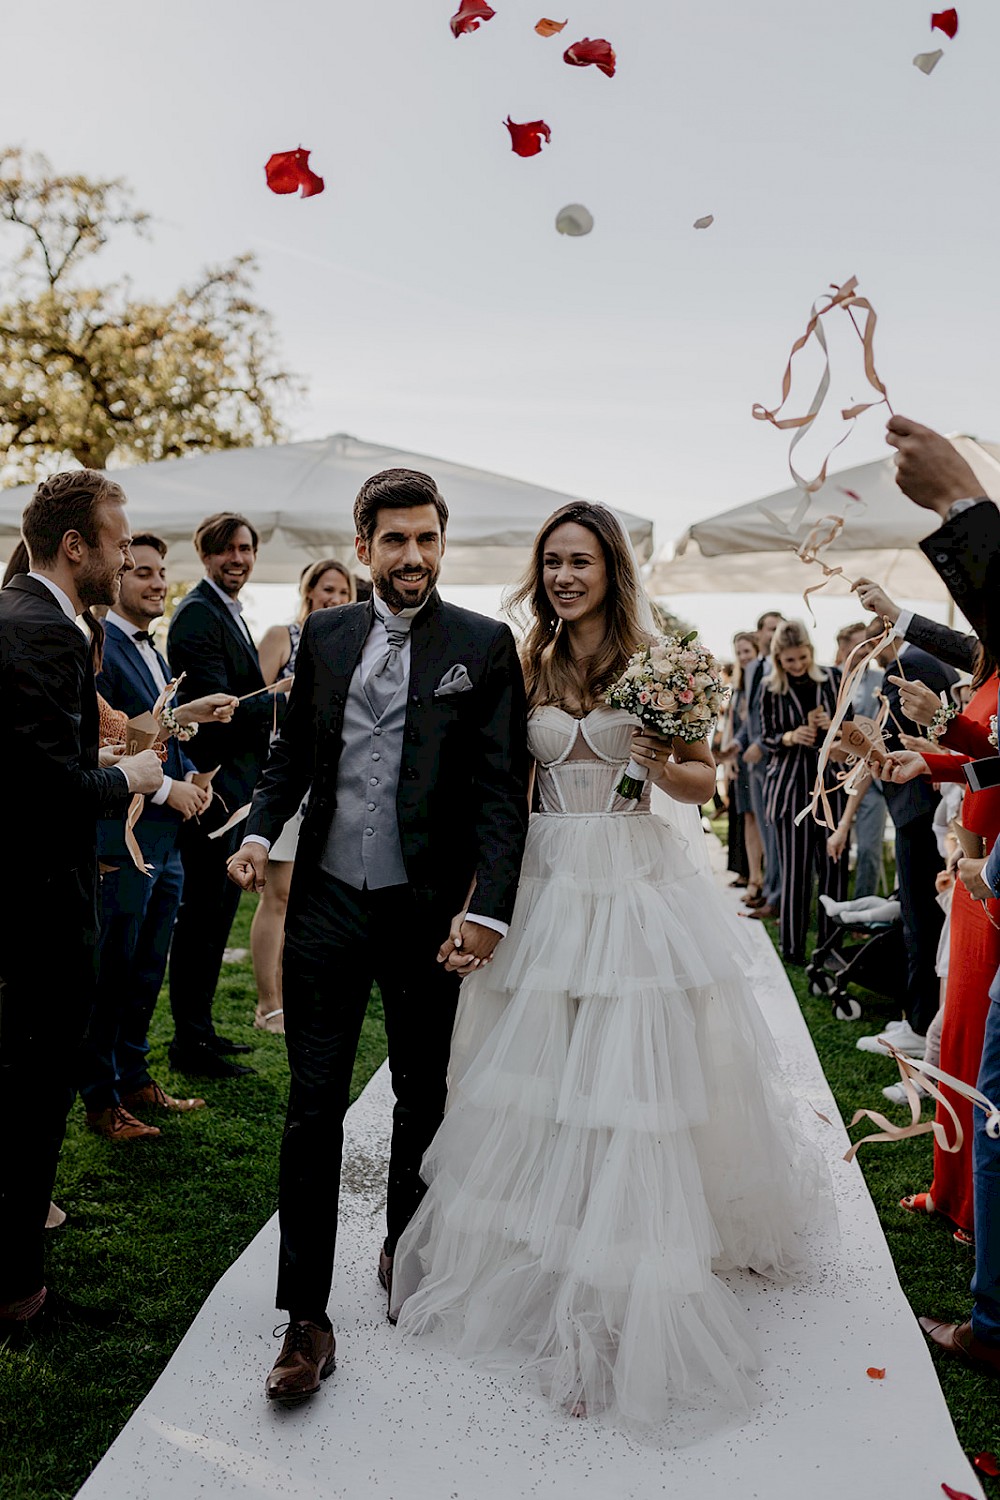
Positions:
{"x": 297, "y": 1337}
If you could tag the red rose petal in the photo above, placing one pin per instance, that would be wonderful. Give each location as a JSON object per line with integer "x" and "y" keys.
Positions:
{"x": 599, "y": 53}
{"x": 550, "y": 28}
{"x": 469, "y": 15}
{"x": 954, "y": 1494}
{"x": 946, "y": 21}
{"x": 986, "y": 1463}
{"x": 874, "y": 1373}
{"x": 287, "y": 171}
{"x": 526, "y": 139}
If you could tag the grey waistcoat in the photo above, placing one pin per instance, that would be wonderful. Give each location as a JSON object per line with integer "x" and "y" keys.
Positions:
{"x": 362, "y": 846}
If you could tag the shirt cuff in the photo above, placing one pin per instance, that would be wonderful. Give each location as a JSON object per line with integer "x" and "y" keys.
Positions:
{"x": 125, "y": 774}
{"x": 162, "y": 792}
{"x": 902, "y": 624}
{"x": 255, "y": 838}
{"x": 502, "y": 927}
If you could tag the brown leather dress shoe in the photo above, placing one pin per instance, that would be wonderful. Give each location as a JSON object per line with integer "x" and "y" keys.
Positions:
{"x": 761, "y": 914}
{"x": 308, "y": 1355}
{"x": 152, "y": 1096}
{"x": 959, "y": 1339}
{"x": 116, "y": 1124}
{"x": 385, "y": 1279}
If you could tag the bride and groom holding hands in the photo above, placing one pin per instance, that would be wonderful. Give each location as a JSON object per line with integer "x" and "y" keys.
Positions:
{"x": 615, "y": 1131}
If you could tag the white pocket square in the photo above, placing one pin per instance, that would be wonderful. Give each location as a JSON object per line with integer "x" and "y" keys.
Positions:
{"x": 455, "y": 680}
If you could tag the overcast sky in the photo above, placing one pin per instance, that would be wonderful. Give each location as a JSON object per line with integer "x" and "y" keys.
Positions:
{"x": 426, "y": 298}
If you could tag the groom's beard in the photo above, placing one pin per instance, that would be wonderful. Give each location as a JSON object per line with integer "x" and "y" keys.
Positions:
{"x": 388, "y": 590}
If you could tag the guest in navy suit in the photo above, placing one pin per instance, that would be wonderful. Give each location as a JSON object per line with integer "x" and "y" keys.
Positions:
{"x": 138, "y": 911}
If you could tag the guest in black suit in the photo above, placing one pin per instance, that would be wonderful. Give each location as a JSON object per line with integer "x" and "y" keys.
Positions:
{"x": 209, "y": 642}
{"x": 138, "y": 909}
{"x": 955, "y": 647}
{"x": 76, "y": 531}
{"x": 406, "y": 725}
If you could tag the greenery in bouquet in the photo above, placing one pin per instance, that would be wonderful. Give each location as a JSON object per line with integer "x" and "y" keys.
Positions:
{"x": 673, "y": 686}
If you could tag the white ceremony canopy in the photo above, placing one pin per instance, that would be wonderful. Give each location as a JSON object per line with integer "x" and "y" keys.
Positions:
{"x": 742, "y": 551}
{"x": 300, "y": 496}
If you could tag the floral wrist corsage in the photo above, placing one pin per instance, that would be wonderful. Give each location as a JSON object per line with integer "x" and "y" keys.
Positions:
{"x": 942, "y": 718}
{"x": 168, "y": 718}
{"x": 993, "y": 731}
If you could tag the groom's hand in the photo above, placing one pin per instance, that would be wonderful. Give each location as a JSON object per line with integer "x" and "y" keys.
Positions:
{"x": 247, "y": 868}
{"x": 929, "y": 470}
{"x": 468, "y": 946}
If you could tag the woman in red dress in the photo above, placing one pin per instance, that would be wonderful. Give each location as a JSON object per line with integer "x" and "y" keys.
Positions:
{"x": 975, "y": 934}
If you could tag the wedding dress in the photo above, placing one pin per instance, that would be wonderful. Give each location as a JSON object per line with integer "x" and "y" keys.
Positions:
{"x": 616, "y": 1132}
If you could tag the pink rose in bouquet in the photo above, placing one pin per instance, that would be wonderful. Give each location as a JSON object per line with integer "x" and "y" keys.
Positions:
{"x": 673, "y": 686}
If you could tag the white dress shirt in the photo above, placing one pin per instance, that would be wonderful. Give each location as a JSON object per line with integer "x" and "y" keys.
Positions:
{"x": 234, "y": 607}
{"x": 152, "y": 661}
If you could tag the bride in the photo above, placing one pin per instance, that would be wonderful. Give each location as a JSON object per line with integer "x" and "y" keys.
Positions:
{"x": 616, "y": 1133}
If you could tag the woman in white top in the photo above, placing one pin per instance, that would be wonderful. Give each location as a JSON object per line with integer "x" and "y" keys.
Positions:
{"x": 322, "y": 585}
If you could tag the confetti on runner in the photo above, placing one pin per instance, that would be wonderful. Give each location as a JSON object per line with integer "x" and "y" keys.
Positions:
{"x": 928, "y": 61}
{"x": 955, "y": 1494}
{"x": 546, "y": 27}
{"x": 287, "y": 171}
{"x": 597, "y": 53}
{"x": 705, "y": 223}
{"x": 526, "y": 140}
{"x": 946, "y": 21}
{"x": 986, "y": 1463}
{"x": 874, "y": 1373}
{"x": 468, "y": 16}
{"x": 574, "y": 220}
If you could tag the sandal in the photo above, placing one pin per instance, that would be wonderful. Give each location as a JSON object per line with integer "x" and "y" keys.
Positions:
{"x": 918, "y": 1203}
{"x": 270, "y": 1020}
{"x": 962, "y": 1237}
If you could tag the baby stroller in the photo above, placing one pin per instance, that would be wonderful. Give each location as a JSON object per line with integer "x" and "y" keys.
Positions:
{"x": 866, "y": 948}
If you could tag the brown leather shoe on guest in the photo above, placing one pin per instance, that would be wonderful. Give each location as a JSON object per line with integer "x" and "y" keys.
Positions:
{"x": 308, "y": 1355}
{"x": 385, "y": 1279}
{"x": 761, "y": 914}
{"x": 959, "y": 1339}
{"x": 152, "y": 1096}
{"x": 116, "y": 1124}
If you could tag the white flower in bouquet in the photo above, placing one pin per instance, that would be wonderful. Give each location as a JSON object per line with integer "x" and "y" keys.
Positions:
{"x": 674, "y": 687}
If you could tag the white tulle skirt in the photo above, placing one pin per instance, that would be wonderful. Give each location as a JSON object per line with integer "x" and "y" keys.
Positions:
{"x": 616, "y": 1134}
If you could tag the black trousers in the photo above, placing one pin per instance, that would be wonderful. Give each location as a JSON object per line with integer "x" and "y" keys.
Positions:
{"x": 801, "y": 851}
{"x": 208, "y": 906}
{"x": 338, "y": 941}
{"x": 917, "y": 863}
{"x": 47, "y": 987}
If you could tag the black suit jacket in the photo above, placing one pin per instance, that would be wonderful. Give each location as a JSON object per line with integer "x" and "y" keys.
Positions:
{"x": 948, "y": 645}
{"x": 912, "y": 798}
{"x": 966, "y": 553}
{"x": 48, "y": 766}
{"x": 462, "y": 799}
{"x": 206, "y": 643}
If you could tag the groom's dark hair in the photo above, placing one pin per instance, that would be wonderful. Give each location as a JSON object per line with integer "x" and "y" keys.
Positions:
{"x": 395, "y": 489}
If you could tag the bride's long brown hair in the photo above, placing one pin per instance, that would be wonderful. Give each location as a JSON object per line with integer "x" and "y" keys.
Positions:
{"x": 550, "y": 673}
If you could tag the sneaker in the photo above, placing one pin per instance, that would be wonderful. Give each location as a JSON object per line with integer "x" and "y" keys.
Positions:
{"x": 896, "y": 1093}
{"x": 900, "y": 1034}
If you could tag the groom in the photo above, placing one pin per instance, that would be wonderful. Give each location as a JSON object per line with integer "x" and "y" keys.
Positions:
{"x": 406, "y": 726}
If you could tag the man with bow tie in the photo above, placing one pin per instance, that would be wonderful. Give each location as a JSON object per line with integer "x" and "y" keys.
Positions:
{"x": 406, "y": 727}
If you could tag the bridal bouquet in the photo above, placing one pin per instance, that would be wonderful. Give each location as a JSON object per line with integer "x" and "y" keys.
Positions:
{"x": 673, "y": 687}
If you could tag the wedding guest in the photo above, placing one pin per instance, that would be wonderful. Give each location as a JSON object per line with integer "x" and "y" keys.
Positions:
{"x": 138, "y": 909}
{"x": 798, "y": 705}
{"x": 965, "y": 551}
{"x": 848, "y": 637}
{"x": 210, "y": 642}
{"x": 322, "y": 585}
{"x": 77, "y": 535}
{"x": 867, "y": 810}
{"x": 751, "y": 740}
{"x": 745, "y": 650}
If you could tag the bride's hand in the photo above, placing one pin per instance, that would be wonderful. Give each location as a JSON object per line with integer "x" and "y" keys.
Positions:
{"x": 652, "y": 750}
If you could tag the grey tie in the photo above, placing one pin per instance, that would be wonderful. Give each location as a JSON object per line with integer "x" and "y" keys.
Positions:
{"x": 386, "y": 677}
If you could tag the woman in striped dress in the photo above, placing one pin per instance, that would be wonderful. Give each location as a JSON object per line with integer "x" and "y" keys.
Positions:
{"x": 798, "y": 703}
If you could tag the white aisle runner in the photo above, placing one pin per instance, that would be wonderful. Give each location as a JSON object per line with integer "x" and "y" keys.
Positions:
{"x": 396, "y": 1422}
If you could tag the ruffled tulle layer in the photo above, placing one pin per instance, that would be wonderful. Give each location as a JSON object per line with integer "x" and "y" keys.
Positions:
{"x": 615, "y": 1135}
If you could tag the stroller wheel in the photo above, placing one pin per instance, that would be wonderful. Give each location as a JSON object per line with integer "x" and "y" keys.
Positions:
{"x": 821, "y": 984}
{"x": 846, "y": 1009}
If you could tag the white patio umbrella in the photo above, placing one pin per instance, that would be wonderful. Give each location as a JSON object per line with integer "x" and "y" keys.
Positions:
{"x": 300, "y": 497}
{"x": 743, "y": 551}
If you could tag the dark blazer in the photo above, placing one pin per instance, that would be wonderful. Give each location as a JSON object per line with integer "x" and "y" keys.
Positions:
{"x": 951, "y": 646}
{"x": 966, "y": 553}
{"x": 127, "y": 684}
{"x": 48, "y": 765}
{"x": 207, "y": 644}
{"x": 751, "y": 731}
{"x": 791, "y": 769}
{"x": 462, "y": 800}
{"x": 913, "y": 798}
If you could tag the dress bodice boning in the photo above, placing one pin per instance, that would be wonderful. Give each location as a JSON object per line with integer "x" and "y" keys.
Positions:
{"x": 580, "y": 761}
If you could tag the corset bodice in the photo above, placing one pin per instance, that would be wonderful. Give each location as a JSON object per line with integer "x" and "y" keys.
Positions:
{"x": 579, "y": 761}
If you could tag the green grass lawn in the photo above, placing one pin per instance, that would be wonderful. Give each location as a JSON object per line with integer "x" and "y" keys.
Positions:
{"x": 153, "y": 1226}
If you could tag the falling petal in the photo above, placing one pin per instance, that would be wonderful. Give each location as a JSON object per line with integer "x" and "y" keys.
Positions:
{"x": 928, "y": 61}
{"x": 705, "y": 223}
{"x": 287, "y": 171}
{"x": 526, "y": 139}
{"x": 954, "y": 1494}
{"x": 852, "y": 495}
{"x": 598, "y": 52}
{"x": 874, "y": 1373}
{"x": 469, "y": 15}
{"x": 574, "y": 220}
{"x": 550, "y": 28}
{"x": 986, "y": 1463}
{"x": 946, "y": 21}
